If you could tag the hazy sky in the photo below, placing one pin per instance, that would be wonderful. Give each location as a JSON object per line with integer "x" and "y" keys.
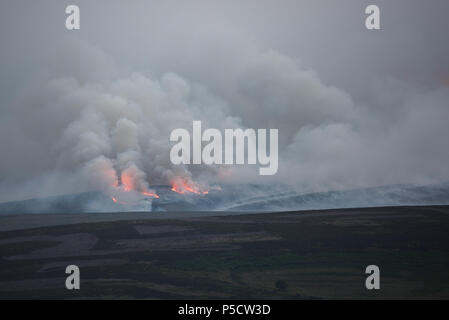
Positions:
{"x": 354, "y": 107}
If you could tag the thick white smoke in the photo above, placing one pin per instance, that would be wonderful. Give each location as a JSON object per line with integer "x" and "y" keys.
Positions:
{"x": 87, "y": 124}
{"x": 108, "y": 133}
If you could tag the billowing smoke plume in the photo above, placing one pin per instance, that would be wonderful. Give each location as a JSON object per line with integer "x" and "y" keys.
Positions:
{"x": 87, "y": 121}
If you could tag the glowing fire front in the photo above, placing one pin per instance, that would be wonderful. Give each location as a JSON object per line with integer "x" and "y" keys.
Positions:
{"x": 183, "y": 186}
{"x": 150, "y": 194}
{"x": 129, "y": 184}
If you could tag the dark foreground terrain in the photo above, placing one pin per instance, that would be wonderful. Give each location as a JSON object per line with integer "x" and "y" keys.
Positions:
{"x": 295, "y": 255}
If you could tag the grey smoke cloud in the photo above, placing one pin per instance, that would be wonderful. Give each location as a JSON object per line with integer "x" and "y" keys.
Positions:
{"x": 353, "y": 108}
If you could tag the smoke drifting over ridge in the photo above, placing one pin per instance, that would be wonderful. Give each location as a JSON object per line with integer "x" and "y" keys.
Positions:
{"x": 89, "y": 122}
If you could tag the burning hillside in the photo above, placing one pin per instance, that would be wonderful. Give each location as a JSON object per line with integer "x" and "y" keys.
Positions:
{"x": 231, "y": 198}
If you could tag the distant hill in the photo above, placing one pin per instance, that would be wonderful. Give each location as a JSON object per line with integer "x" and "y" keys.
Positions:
{"x": 244, "y": 198}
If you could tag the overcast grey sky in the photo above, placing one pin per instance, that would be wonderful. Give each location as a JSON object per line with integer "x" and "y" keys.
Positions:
{"x": 354, "y": 107}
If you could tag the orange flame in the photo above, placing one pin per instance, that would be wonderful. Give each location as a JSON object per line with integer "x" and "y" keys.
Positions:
{"x": 128, "y": 184}
{"x": 150, "y": 194}
{"x": 182, "y": 186}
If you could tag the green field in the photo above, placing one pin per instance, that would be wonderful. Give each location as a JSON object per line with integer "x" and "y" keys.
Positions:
{"x": 295, "y": 255}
